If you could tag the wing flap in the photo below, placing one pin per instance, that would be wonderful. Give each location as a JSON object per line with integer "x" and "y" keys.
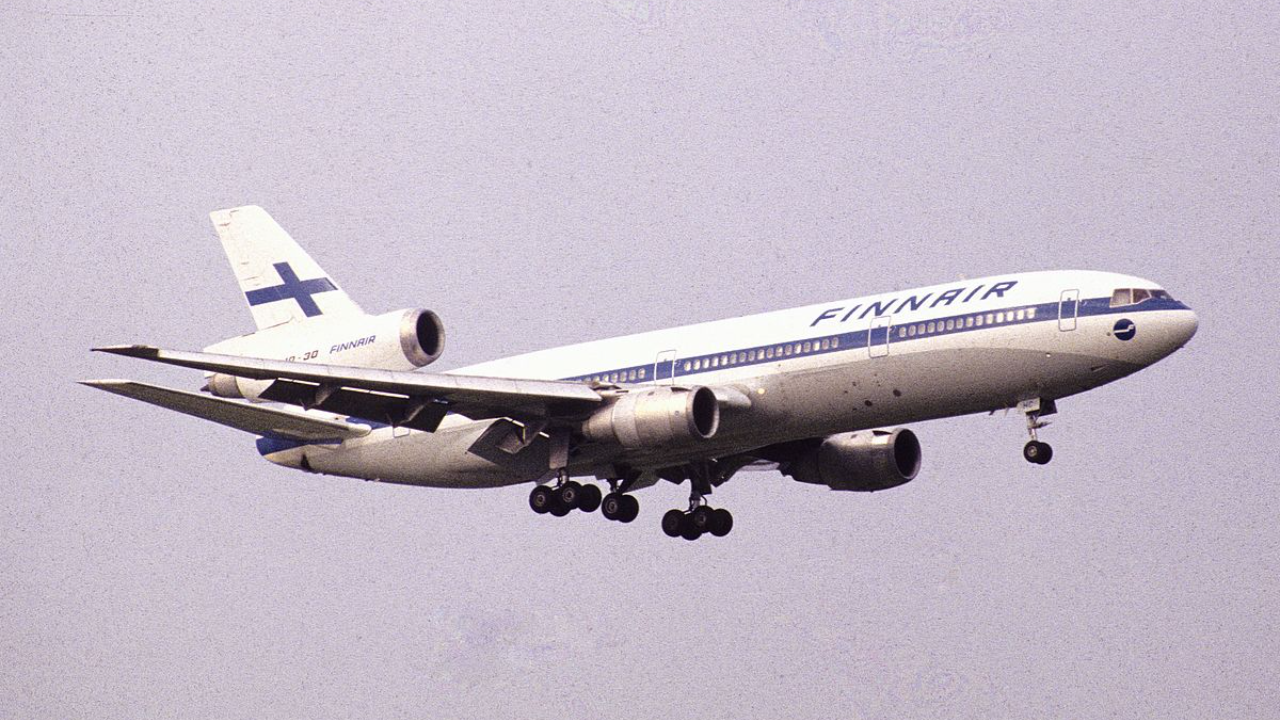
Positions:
{"x": 240, "y": 415}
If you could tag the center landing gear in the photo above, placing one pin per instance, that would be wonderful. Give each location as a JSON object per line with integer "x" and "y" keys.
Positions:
{"x": 1036, "y": 452}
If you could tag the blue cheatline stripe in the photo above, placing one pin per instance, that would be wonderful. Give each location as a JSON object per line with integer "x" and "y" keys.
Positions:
{"x": 857, "y": 340}
{"x": 292, "y": 288}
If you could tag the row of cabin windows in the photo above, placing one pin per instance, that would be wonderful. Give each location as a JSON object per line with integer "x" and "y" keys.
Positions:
{"x": 997, "y": 318}
{"x": 632, "y": 375}
{"x": 810, "y": 346}
{"x": 769, "y": 353}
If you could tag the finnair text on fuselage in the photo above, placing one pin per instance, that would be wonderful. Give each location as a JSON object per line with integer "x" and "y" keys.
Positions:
{"x": 881, "y": 308}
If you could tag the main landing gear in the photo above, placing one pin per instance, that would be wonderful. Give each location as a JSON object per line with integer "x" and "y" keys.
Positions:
{"x": 1036, "y": 452}
{"x": 566, "y": 496}
{"x": 696, "y": 522}
{"x": 700, "y": 518}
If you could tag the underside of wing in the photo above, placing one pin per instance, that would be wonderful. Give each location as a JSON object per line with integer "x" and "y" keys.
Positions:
{"x": 249, "y": 417}
{"x": 411, "y": 399}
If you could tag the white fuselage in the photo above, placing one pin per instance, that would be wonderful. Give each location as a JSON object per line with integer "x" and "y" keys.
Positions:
{"x": 888, "y": 359}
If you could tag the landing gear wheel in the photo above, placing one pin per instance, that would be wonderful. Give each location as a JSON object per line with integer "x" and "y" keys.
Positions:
{"x": 541, "y": 498}
{"x": 688, "y": 530}
{"x": 1037, "y": 452}
{"x": 612, "y": 506}
{"x": 701, "y": 518}
{"x": 721, "y": 522}
{"x": 570, "y": 494}
{"x": 631, "y": 508}
{"x": 671, "y": 523}
{"x": 589, "y": 498}
{"x": 558, "y": 508}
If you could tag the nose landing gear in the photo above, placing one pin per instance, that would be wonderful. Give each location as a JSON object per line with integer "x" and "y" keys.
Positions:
{"x": 1036, "y": 452}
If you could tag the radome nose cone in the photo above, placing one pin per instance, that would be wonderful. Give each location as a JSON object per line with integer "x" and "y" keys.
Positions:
{"x": 1187, "y": 327}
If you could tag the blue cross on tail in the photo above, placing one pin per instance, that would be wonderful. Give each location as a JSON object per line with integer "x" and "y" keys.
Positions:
{"x": 292, "y": 287}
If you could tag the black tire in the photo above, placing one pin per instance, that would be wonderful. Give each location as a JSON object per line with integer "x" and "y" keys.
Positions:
{"x": 570, "y": 494}
{"x": 701, "y": 518}
{"x": 721, "y": 522}
{"x": 611, "y": 506}
{"x": 589, "y": 498}
{"x": 1046, "y": 453}
{"x": 541, "y": 498}
{"x": 671, "y": 523}
{"x": 559, "y": 509}
{"x": 631, "y": 508}
{"x": 687, "y": 529}
{"x": 1033, "y": 452}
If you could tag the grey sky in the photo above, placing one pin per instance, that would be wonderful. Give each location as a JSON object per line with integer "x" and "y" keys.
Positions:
{"x": 545, "y": 175}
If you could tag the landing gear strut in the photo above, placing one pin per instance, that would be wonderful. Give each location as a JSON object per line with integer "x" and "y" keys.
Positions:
{"x": 1036, "y": 452}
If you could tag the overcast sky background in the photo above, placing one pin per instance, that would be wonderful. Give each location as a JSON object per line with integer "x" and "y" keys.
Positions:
{"x": 547, "y": 173}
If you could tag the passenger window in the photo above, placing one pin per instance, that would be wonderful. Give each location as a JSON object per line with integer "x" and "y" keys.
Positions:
{"x": 631, "y": 376}
{"x": 1123, "y": 296}
{"x": 999, "y": 318}
{"x": 826, "y": 344}
{"x": 807, "y": 346}
{"x": 951, "y": 324}
{"x": 977, "y": 321}
{"x": 929, "y": 328}
{"x": 968, "y": 322}
{"x": 990, "y": 319}
{"x": 1022, "y": 314}
{"x": 642, "y": 373}
{"x": 796, "y": 348}
{"x": 751, "y": 356}
{"x": 724, "y": 359}
{"x": 1031, "y": 313}
{"x": 788, "y": 351}
{"x": 835, "y": 342}
{"x": 911, "y": 331}
{"x": 687, "y": 365}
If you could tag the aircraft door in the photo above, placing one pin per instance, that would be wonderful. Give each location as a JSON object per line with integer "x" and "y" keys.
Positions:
{"x": 878, "y": 336}
{"x": 664, "y": 368}
{"x": 1068, "y": 309}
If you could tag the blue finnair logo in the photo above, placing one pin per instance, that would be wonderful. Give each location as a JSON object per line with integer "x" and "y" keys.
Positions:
{"x": 1124, "y": 329}
{"x": 292, "y": 288}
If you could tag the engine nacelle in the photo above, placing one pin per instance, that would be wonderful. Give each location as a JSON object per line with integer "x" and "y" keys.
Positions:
{"x": 860, "y": 462}
{"x": 657, "y": 417}
{"x": 399, "y": 340}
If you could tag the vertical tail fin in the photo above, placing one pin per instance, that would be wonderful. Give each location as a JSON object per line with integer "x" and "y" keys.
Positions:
{"x": 279, "y": 279}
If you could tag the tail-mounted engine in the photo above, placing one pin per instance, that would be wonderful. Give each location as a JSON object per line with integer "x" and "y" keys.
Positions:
{"x": 399, "y": 340}
{"x": 861, "y": 462}
{"x": 657, "y": 417}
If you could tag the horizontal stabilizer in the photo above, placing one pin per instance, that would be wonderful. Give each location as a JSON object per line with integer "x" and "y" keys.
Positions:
{"x": 257, "y": 419}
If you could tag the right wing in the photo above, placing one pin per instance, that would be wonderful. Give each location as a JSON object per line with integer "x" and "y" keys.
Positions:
{"x": 254, "y": 418}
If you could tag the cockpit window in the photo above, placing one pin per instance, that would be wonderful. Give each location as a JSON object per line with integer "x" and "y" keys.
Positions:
{"x": 1133, "y": 296}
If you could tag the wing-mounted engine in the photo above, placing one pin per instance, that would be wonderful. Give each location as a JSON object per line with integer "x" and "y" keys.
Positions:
{"x": 864, "y": 461}
{"x": 657, "y": 417}
{"x": 399, "y": 340}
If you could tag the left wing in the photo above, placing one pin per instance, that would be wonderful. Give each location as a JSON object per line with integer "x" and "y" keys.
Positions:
{"x": 255, "y": 418}
{"x": 413, "y": 399}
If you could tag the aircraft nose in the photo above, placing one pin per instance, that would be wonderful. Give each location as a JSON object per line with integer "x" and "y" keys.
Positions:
{"x": 1186, "y": 327}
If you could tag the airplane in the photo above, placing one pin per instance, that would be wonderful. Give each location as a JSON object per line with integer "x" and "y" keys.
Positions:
{"x": 819, "y": 392}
